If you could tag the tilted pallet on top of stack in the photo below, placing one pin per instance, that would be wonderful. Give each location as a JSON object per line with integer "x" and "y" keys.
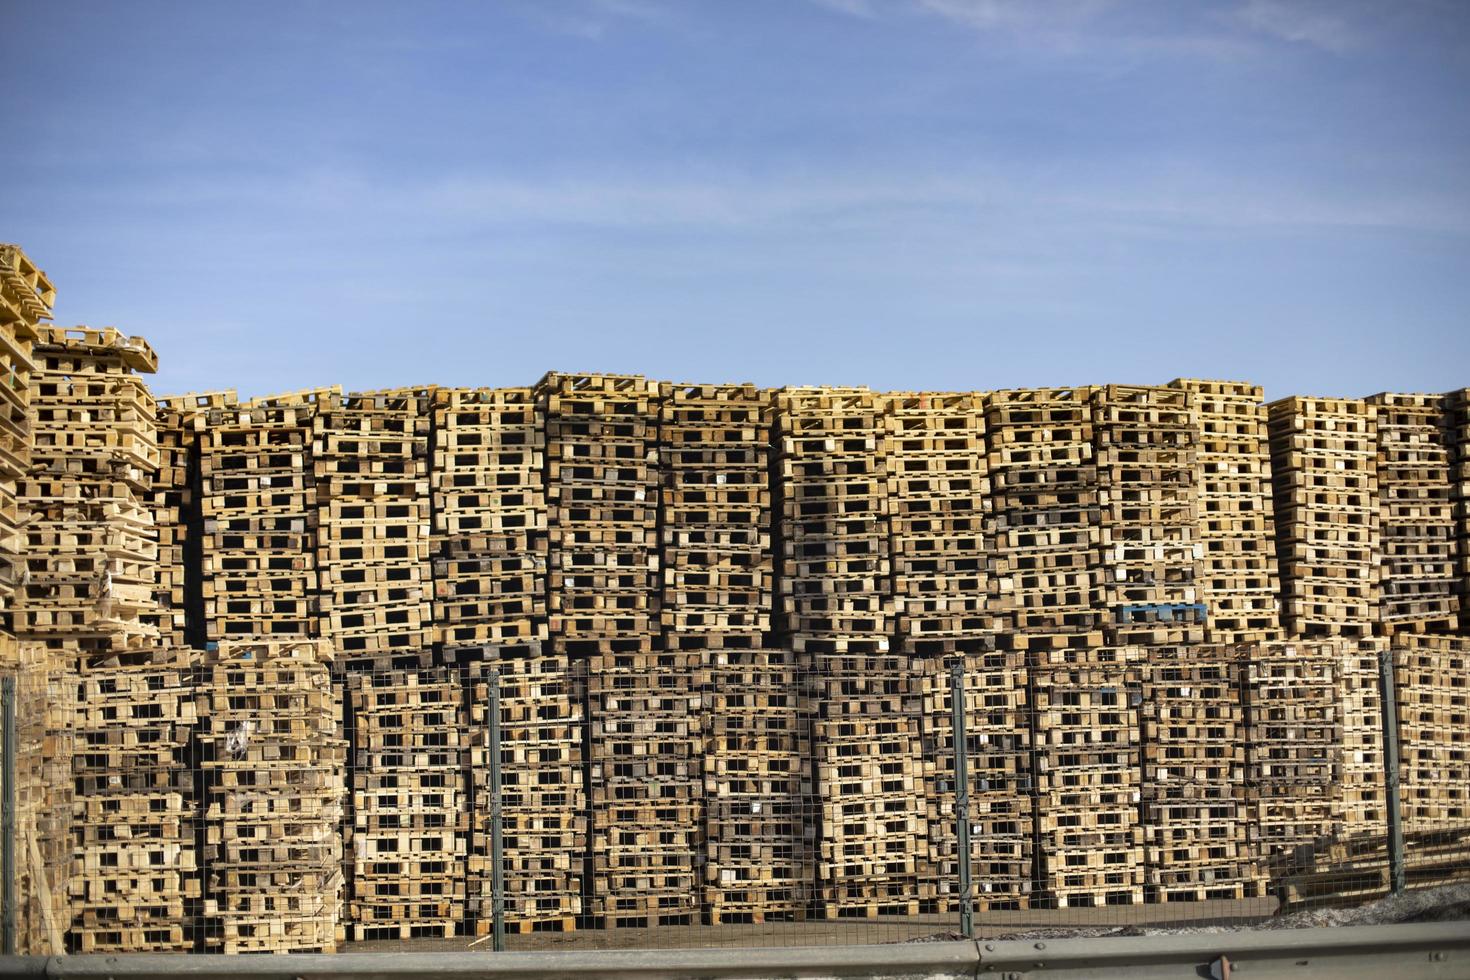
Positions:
{"x": 91, "y": 550}
{"x": 1457, "y": 421}
{"x": 259, "y": 508}
{"x": 370, "y": 458}
{"x": 1239, "y": 584}
{"x": 410, "y": 804}
{"x": 760, "y": 841}
{"x": 135, "y": 882}
{"x": 543, "y": 792}
{"x": 1417, "y": 578}
{"x": 1324, "y": 479}
{"x": 274, "y": 781}
{"x": 1149, "y": 495}
{"x": 489, "y": 508}
{"x": 1194, "y": 809}
{"x": 26, "y": 298}
{"x": 1044, "y": 489}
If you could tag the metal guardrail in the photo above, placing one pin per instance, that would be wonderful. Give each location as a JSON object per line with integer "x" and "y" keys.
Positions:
{"x": 1407, "y": 952}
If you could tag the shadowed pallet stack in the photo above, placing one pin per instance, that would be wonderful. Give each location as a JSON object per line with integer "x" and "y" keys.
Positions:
{"x": 370, "y": 459}
{"x": 1417, "y": 581}
{"x": 259, "y": 506}
{"x": 410, "y": 805}
{"x": 1432, "y": 682}
{"x": 543, "y": 793}
{"x": 836, "y": 575}
{"x": 1043, "y": 477}
{"x": 1148, "y": 491}
{"x": 91, "y": 550}
{"x": 273, "y": 763}
{"x": 1362, "y": 803}
{"x": 26, "y": 298}
{"x": 1323, "y": 453}
{"x": 940, "y": 494}
{"x": 997, "y": 720}
{"x": 759, "y": 805}
{"x": 1457, "y": 411}
{"x": 717, "y": 564}
{"x": 1194, "y": 810}
{"x": 1090, "y": 842}
{"x": 489, "y": 521}
{"x": 134, "y": 881}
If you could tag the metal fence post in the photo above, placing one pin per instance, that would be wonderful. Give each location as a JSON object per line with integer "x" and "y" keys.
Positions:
{"x": 497, "y": 843}
{"x": 962, "y": 798}
{"x": 1389, "y": 698}
{"x": 7, "y": 824}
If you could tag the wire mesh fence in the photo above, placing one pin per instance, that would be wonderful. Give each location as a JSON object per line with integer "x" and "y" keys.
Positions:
{"x": 261, "y": 798}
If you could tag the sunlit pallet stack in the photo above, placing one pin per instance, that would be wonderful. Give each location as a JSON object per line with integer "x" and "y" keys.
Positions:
{"x": 759, "y": 803}
{"x": 1293, "y": 713}
{"x": 943, "y": 561}
{"x": 1239, "y": 583}
{"x": 1362, "y": 803}
{"x": 867, "y": 757}
{"x": 26, "y": 298}
{"x": 1432, "y": 683}
{"x": 543, "y": 793}
{"x": 1194, "y": 808}
{"x": 997, "y": 718}
{"x": 370, "y": 459}
{"x": 1089, "y": 837}
{"x": 832, "y": 460}
{"x": 1149, "y": 495}
{"x": 489, "y": 512}
{"x": 1044, "y": 498}
{"x": 1457, "y": 411}
{"x": 1323, "y": 457}
{"x": 718, "y": 569}
{"x": 274, "y": 781}
{"x": 258, "y": 502}
{"x": 1418, "y": 586}
{"x": 602, "y": 488}
{"x": 91, "y": 549}
{"x": 410, "y": 803}
{"x": 135, "y": 874}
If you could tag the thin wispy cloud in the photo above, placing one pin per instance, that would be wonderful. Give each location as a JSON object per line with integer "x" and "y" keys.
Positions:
{"x": 1320, "y": 25}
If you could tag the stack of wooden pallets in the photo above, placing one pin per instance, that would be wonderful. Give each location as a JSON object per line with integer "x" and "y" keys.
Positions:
{"x": 1293, "y": 716}
{"x": 1194, "y": 810}
{"x": 942, "y": 555}
{"x": 258, "y": 501}
{"x": 370, "y": 458}
{"x": 1149, "y": 493}
{"x": 1044, "y": 498}
{"x": 410, "y": 803}
{"x": 26, "y": 298}
{"x": 759, "y": 806}
{"x": 543, "y": 793}
{"x": 1418, "y": 587}
{"x": 1457, "y": 411}
{"x": 1432, "y": 683}
{"x": 1362, "y": 803}
{"x": 873, "y": 848}
{"x": 836, "y": 579}
{"x": 1323, "y": 457}
{"x": 273, "y": 761}
{"x": 997, "y": 719}
{"x": 602, "y": 488}
{"x": 1239, "y": 584}
{"x": 714, "y": 452}
{"x": 135, "y": 878}
{"x": 489, "y": 538}
{"x": 91, "y": 550}
{"x": 1085, "y": 724}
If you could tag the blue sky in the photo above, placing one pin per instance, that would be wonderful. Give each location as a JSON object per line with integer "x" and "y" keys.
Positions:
{"x": 909, "y": 194}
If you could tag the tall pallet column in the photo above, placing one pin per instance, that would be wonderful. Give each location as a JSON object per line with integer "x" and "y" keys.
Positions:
{"x": 1457, "y": 421}
{"x": 1417, "y": 583}
{"x": 1146, "y": 440}
{"x": 1325, "y": 482}
{"x": 135, "y": 875}
{"x": 1239, "y": 582}
{"x": 1194, "y": 812}
{"x": 410, "y": 803}
{"x": 1432, "y": 681}
{"x": 273, "y": 757}
{"x": 370, "y": 458}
